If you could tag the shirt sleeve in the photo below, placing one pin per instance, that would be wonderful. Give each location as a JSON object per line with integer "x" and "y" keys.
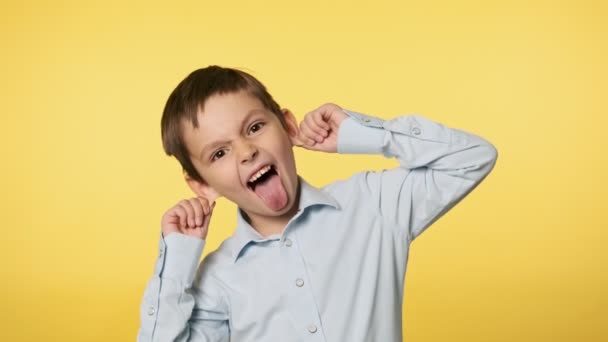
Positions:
{"x": 173, "y": 308}
{"x": 439, "y": 166}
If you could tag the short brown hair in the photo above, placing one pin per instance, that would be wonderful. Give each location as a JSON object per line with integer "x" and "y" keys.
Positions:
{"x": 191, "y": 94}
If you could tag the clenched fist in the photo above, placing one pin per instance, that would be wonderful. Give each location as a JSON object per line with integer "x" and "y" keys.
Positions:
{"x": 319, "y": 128}
{"x": 189, "y": 217}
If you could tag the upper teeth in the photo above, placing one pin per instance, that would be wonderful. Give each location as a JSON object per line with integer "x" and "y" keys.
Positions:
{"x": 259, "y": 173}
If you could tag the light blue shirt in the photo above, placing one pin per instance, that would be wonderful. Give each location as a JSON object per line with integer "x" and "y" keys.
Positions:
{"x": 336, "y": 273}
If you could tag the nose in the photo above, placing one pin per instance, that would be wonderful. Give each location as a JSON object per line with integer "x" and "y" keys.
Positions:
{"x": 247, "y": 152}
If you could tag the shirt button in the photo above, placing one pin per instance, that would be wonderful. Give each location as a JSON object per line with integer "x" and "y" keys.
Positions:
{"x": 312, "y": 328}
{"x": 416, "y": 130}
{"x": 151, "y": 311}
{"x": 299, "y": 282}
{"x": 288, "y": 243}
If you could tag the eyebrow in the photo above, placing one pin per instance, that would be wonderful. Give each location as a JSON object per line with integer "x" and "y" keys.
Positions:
{"x": 213, "y": 144}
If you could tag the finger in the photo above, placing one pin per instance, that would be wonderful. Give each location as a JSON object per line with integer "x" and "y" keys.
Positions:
{"x": 170, "y": 220}
{"x": 190, "y": 212}
{"x": 303, "y": 133}
{"x": 297, "y": 140}
{"x": 306, "y": 142}
{"x": 207, "y": 218}
{"x": 319, "y": 131}
{"x": 182, "y": 216}
{"x": 199, "y": 211}
{"x": 307, "y": 135}
{"x": 204, "y": 203}
{"x": 319, "y": 120}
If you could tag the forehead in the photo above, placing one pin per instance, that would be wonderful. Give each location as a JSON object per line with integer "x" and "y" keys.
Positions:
{"x": 228, "y": 107}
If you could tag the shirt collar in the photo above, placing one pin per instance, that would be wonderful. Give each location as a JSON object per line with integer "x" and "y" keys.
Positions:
{"x": 309, "y": 196}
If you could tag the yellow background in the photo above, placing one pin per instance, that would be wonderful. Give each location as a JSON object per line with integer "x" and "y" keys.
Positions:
{"x": 85, "y": 180}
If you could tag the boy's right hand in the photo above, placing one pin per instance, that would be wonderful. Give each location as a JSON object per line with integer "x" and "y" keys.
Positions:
{"x": 189, "y": 217}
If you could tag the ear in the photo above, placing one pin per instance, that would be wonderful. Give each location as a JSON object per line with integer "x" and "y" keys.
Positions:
{"x": 201, "y": 189}
{"x": 292, "y": 127}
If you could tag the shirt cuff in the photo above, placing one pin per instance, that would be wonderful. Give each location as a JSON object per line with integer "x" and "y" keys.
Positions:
{"x": 361, "y": 134}
{"x": 182, "y": 255}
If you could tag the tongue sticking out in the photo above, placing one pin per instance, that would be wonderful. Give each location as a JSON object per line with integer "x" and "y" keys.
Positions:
{"x": 272, "y": 192}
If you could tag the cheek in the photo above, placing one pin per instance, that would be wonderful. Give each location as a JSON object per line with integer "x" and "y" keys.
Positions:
{"x": 222, "y": 175}
{"x": 282, "y": 143}
{"x": 287, "y": 155}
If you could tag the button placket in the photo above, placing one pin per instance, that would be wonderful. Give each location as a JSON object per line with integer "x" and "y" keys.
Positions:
{"x": 302, "y": 305}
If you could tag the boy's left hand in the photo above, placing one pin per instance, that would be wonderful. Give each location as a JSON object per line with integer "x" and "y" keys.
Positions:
{"x": 319, "y": 128}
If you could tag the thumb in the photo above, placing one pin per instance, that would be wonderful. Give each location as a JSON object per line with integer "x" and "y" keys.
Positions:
{"x": 296, "y": 140}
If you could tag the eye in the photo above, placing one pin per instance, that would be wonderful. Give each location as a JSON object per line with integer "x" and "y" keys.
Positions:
{"x": 217, "y": 155}
{"x": 256, "y": 127}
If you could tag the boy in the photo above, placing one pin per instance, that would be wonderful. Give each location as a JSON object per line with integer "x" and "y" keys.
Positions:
{"x": 304, "y": 264}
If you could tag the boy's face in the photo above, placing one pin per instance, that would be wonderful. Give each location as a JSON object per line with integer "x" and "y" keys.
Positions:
{"x": 243, "y": 153}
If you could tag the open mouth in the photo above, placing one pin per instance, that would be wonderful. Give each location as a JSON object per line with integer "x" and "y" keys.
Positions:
{"x": 267, "y": 185}
{"x": 262, "y": 177}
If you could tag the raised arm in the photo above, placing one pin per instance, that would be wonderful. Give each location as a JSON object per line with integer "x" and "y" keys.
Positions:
{"x": 439, "y": 165}
{"x": 177, "y": 305}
